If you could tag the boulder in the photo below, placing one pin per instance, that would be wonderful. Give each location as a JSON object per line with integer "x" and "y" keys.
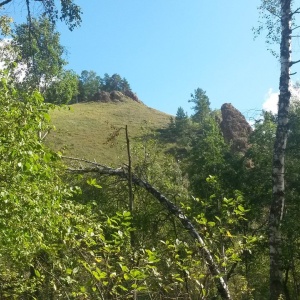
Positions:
{"x": 116, "y": 96}
{"x": 102, "y": 96}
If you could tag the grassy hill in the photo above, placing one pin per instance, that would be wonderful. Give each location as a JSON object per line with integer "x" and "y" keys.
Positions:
{"x": 84, "y": 130}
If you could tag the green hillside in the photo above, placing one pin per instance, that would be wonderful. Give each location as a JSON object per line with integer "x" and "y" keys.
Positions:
{"x": 84, "y": 130}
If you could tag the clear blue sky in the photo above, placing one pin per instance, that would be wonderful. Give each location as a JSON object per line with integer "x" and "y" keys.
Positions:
{"x": 168, "y": 48}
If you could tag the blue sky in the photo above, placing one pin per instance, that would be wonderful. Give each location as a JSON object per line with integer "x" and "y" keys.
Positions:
{"x": 168, "y": 48}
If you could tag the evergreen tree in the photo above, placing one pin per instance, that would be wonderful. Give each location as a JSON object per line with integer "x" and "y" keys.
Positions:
{"x": 202, "y": 105}
{"x": 114, "y": 83}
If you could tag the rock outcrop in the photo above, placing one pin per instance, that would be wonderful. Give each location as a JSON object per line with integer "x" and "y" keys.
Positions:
{"x": 235, "y": 128}
{"x": 102, "y": 96}
{"x": 115, "y": 96}
{"x": 132, "y": 95}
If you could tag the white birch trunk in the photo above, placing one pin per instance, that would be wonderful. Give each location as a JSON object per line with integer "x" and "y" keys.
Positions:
{"x": 277, "y": 205}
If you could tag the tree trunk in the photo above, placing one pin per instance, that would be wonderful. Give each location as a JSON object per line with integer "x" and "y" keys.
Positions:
{"x": 277, "y": 205}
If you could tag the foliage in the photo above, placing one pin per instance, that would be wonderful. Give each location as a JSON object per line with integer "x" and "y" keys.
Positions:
{"x": 5, "y": 25}
{"x": 206, "y": 156}
{"x": 37, "y": 49}
{"x": 63, "y": 89}
{"x": 114, "y": 83}
{"x": 66, "y": 249}
{"x": 69, "y": 11}
{"x": 24, "y": 159}
{"x": 202, "y": 105}
{"x": 89, "y": 85}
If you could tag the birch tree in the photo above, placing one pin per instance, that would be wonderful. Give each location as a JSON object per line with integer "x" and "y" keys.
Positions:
{"x": 280, "y": 19}
{"x": 67, "y": 10}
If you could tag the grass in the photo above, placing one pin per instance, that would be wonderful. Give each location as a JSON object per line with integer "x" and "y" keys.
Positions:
{"x": 85, "y": 130}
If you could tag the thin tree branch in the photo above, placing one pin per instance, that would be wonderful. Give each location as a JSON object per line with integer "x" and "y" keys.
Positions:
{"x": 272, "y": 13}
{"x": 4, "y": 2}
{"x": 295, "y": 28}
{"x": 171, "y": 207}
{"x": 297, "y": 11}
{"x": 294, "y": 62}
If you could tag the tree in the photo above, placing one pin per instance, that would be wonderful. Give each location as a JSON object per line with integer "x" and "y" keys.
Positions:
{"x": 278, "y": 201}
{"x": 202, "y": 105}
{"x": 89, "y": 85}
{"x": 63, "y": 89}
{"x": 280, "y": 18}
{"x": 114, "y": 83}
{"x": 69, "y": 11}
{"x": 181, "y": 121}
{"x": 38, "y": 51}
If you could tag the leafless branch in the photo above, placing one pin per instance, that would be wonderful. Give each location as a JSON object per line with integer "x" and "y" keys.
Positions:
{"x": 295, "y": 28}
{"x": 294, "y": 62}
{"x": 297, "y": 11}
{"x": 4, "y": 2}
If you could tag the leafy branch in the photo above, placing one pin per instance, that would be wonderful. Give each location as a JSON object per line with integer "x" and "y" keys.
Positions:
{"x": 169, "y": 205}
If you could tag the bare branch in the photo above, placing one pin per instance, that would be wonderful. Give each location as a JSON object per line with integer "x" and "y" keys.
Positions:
{"x": 4, "y": 2}
{"x": 170, "y": 206}
{"x": 294, "y": 62}
{"x": 297, "y": 11}
{"x": 295, "y": 28}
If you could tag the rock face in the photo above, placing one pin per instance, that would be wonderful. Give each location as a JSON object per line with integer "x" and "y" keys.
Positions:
{"x": 235, "y": 128}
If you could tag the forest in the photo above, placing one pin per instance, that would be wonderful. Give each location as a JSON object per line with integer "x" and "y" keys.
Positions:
{"x": 204, "y": 208}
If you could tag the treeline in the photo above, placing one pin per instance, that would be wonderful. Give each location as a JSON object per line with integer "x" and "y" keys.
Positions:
{"x": 90, "y": 85}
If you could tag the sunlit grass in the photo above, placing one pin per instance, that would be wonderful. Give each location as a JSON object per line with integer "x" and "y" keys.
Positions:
{"x": 83, "y": 129}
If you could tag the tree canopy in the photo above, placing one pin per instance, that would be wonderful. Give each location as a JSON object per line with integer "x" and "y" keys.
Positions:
{"x": 67, "y": 10}
{"x": 38, "y": 50}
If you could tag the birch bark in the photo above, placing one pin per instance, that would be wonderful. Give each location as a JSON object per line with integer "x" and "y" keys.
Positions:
{"x": 278, "y": 200}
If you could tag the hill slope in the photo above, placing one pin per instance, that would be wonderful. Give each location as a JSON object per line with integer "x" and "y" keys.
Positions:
{"x": 83, "y": 130}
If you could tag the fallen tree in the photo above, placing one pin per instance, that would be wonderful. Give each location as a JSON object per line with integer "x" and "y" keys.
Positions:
{"x": 93, "y": 167}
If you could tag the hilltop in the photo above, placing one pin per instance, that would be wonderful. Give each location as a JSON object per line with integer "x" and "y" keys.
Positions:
{"x": 84, "y": 129}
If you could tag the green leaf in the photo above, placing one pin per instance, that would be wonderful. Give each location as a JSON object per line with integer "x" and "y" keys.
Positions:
{"x": 69, "y": 271}
{"x": 37, "y": 273}
{"x": 93, "y": 182}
